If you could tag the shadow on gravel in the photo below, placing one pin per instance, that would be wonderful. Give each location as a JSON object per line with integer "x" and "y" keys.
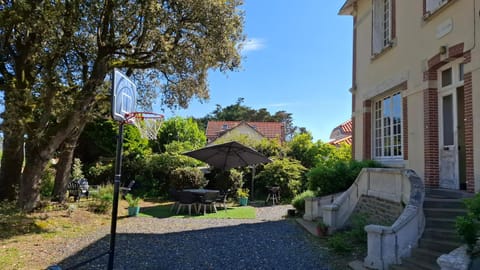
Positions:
{"x": 268, "y": 245}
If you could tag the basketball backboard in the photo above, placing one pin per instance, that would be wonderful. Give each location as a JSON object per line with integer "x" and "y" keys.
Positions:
{"x": 124, "y": 96}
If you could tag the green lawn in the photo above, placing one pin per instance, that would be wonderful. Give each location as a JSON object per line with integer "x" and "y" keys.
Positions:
{"x": 163, "y": 211}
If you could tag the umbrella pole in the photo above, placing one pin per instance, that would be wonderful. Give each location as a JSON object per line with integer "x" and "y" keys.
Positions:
{"x": 252, "y": 184}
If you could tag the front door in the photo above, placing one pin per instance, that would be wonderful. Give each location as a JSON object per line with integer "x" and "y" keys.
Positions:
{"x": 451, "y": 135}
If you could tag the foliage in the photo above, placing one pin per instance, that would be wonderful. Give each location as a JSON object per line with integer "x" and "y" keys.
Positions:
{"x": 242, "y": 193}
{"x": 59, "y": 79}
{"x": 225, "y": 180}
{"x": 284, "y": 172}
{"x": 270, "y": 148}
{"x": 333, "y": 177}
{"x": 102, "y": 200}
{"x": 468, "y": 226}
{"x": 77, "y": 172}
{"x": 346, "y": 241}
{"x": 299, "y": 200}
{"x": 100, "y": 173}
{"x": 302, "y": 149}
{"x": 132, "y": 202}
{"x": 187, "y": 177}
{"x": 178, "y": 129}
{"x": 48, "y": 181}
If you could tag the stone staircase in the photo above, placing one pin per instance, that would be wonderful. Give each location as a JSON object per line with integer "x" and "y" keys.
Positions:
{"x": 441, "y": 207}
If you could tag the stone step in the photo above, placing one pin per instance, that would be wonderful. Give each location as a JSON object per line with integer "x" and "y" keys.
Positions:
{"x": 444, "y": 234}
{"x": 446, "y": 193}
{"x": 444, "y": 212}
{"x": 426, "y": 255}
{"x": 440, "y": 223}
{"x": 439, "y": 245}
{"x": 443, "y": 203}
{"x": 412, "y": 264}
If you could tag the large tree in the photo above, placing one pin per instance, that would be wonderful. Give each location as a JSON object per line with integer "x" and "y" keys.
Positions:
{"x": 56, "y": 56}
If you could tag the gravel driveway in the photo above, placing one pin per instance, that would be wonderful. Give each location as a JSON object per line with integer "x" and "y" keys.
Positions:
{"x": 267, "y": 242}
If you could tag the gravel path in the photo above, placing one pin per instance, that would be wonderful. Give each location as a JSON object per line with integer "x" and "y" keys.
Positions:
{"x": 267, "y": 242}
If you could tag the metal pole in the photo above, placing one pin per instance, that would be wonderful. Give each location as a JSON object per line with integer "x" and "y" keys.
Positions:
{"x": 116, "y": 188}
{"x": 253, "y": 179}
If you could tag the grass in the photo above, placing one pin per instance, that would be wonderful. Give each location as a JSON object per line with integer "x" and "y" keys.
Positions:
{"x": 163, "y": 211}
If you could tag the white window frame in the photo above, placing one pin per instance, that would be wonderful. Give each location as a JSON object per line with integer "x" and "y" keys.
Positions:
{"x": 386, "y": 130}
{"x": 381, "y": 25}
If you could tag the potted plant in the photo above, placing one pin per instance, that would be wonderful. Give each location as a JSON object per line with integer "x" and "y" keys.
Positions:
{"x": 133, "y": 207}
{"x": 242, "y": 195}
{"x": 322, "y": 229}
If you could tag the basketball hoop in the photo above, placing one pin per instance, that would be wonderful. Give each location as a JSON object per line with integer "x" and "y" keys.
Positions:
{"x": 147, "y": 123}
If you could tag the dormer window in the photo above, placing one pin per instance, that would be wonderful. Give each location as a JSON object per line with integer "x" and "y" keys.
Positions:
{"x": 224, "y": 127}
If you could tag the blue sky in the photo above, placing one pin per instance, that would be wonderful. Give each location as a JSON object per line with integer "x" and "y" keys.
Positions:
{"x": 297, "y": 58}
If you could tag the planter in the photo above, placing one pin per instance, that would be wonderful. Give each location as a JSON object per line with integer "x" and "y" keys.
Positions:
{"x": 133, "y": 211}
{"x": 322, "y": 231}
{"x": 243, "y": 201}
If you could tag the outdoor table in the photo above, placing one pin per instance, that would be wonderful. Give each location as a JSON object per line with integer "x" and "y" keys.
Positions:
{"x": 200, "y": 192}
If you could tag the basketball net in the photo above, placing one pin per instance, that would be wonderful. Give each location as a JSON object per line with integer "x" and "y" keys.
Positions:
{"x": 148, "y": 124}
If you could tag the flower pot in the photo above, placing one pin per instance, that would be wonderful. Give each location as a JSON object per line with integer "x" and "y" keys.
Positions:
{"x": 133, "y": 211}
{"x": 322, "y": 231}
{"x": 243, "y": 201}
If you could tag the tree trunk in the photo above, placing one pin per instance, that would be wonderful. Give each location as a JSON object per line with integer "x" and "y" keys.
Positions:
{"x": 29, "y": 195}
{"x": 64, "y": 167}
{"x": 11, "y": 165}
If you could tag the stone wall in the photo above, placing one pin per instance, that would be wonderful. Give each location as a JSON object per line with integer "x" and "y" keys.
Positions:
{"x": 379, "y": 211}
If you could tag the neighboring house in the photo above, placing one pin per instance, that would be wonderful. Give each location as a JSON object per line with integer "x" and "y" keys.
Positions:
{"x": 342, "y": 134}
{"x": 254, "y": 130}
{"x": 416, "y": 87}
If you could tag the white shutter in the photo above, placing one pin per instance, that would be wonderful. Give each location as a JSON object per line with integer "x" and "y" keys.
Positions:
{"x": 377, "y": 26}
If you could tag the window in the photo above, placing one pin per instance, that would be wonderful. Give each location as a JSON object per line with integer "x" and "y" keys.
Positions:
{"x": 381, "y": 25}
{"x": 460, "y": 72}
{"x": 388, "y": 127}
{"x": 432, "y": 5}
{"x": 225, "y": 127}
{"x": 446, "y": 77}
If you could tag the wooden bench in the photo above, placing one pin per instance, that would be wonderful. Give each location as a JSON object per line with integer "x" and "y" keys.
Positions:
{"x": 78, "y": 188}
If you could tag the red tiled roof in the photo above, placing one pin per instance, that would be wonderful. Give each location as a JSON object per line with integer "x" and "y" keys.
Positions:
{"x": 346, "y": 127}
{"x": 271, "y": 130}
{"x": 342, "y": 130}
{"x": 347, "y": 140}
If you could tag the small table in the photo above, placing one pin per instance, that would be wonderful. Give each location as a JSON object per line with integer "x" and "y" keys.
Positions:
{"x": 200, "y": 192}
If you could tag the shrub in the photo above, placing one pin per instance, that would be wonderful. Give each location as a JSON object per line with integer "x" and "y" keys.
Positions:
{"x": 132, "y": 202}
{"x": 187, "y": 177}
{"x": 102, "y": 200}
{"x": 299, "y": 201}
{"x": 47, "y": 181}
{"x": 77, "y": 172}
{"x": 224, "y": 180}
{"x": 468, "y": 226}
{"x": 340, "y": 243}
{"x": 284, "y": 172}
{"x": 333, "y": 177}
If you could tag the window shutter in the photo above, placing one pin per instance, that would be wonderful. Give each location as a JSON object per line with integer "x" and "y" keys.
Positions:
{"x": 377, "y": 26}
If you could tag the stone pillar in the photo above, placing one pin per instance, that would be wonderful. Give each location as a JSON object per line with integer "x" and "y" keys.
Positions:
{"x": 381, "y": 247}
{"x": 312, "y": 211}
{"x": 329, "y": 214}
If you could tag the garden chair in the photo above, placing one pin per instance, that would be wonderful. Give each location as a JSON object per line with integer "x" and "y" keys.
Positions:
{"x": 273, "y": 194}
{"x": 208, "y": 200}
{"x": 187, "y": 199}
{"x": 78, "y": 188}
{"x": 173, "y": 195}
{"x": 127, "y": 189}
{"x": 222, "y": 198}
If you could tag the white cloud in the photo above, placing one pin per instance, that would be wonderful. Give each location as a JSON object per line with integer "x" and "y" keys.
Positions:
{"x": 253, "y": 44}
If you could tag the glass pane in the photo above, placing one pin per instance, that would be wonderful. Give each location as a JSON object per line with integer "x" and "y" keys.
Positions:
{"x": 446, "y": 77}
{"x": 448, "y": 120}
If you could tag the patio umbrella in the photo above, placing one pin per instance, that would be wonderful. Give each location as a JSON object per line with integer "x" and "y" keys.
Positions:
{"x": 228, "y": 155}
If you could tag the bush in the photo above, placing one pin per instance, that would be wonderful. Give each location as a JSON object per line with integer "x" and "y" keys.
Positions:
{"x": 286, "y": 173}
{"x": 468, "y": 226}
{"x": 299, "y": 201}
{"x": 47, "y": 182}
{"x": 356, "y": 236}
{"x": 102, "y": 200}
{"x": 333, "y": 177}
{"x": 187, "y": 177}
{"x": 225, "y": 180}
